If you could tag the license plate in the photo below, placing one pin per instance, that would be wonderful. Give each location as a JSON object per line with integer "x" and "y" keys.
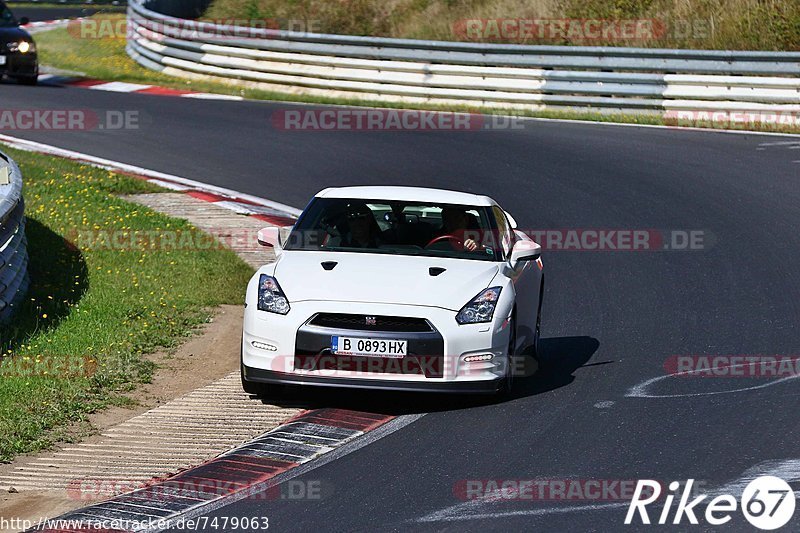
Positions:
{"x": 392, "y": 348}
{"x": 2, "y": 60}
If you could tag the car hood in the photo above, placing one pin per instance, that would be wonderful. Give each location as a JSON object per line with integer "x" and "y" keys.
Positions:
{"x": 13, "y": 34}
{"x": 381, "y": 278}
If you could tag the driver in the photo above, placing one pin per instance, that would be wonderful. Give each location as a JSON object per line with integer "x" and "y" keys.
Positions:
{"x": 455, "y": 221}
{"x": 363, "y": 229}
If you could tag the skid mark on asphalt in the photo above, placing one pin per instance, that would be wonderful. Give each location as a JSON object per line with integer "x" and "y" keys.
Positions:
{"x": 481, "y": 507}
{"x": 478, "y": 508}
{"x": 786, "y": 469}
{"x": 642, "y": 390}
{"x": 787, "y": 145}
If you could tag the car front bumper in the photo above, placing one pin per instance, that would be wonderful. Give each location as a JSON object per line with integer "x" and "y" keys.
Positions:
{"x": 259, "y": 375}
{"x": 288, "y": 349}
{"x": 16, "y": 64}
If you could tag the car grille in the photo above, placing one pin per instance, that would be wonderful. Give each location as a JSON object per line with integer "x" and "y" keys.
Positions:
{"x": 370, "y": 322}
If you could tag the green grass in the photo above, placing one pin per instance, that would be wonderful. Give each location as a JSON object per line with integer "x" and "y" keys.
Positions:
{"x": 105, "y": 58}
{"x": 714, "y": 24}
{"x": 77, "y": 341}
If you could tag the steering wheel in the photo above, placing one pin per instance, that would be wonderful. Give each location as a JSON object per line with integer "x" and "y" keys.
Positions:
{"x": 440, "y": 238}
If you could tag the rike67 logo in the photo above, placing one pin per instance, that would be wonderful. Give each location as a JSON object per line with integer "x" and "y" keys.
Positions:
{"x": 767, "y": 503}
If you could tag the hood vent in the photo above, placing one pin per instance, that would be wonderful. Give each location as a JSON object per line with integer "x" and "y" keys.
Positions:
{"x": 329, "y": 265}
{"x": 435, "y": 271}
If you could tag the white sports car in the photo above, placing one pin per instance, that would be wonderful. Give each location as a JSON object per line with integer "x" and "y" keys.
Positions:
{"x": 398, "y": 288}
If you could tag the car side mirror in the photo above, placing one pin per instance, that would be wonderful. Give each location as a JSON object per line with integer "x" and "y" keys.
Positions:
{"x": 524, "y": 251}
{"x": 270, "y": 236}
{"x": 23, "y": 21}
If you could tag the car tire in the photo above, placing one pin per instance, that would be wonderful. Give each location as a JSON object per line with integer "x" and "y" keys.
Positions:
{"x": 537, "y": 335}
{"x": 28, "y": 80}
{"x": 253, "y": 388}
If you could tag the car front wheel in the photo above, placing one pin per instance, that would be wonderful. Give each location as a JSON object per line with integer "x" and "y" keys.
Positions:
{"x": 253, "y": 388}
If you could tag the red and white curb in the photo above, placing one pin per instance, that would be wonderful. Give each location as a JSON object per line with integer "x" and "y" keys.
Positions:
{"x": 114, "y": 86}
{"x": 248, "y": 471}
{"x": 134, "y": 88}
{"x": 44, "y": 25}
{"x": 271, "y": 212}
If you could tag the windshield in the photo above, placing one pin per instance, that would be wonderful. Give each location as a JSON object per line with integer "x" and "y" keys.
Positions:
{"x": 6, "y": 17}
{"x": 397, "y": 228}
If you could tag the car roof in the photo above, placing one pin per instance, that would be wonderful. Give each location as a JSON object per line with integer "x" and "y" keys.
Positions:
{"x": 408, "y": 194}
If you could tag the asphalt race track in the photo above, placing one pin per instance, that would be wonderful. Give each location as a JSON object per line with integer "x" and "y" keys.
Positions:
{"x": 611, "y": 318}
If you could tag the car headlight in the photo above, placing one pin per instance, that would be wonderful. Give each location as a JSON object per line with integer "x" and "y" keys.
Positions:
{"x": 271, "y": 297}
{"x": 23, "y": 47}
{"x": 481, "y": 308}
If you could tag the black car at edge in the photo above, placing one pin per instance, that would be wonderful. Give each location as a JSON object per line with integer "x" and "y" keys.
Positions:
{"x": 18, "y": 58}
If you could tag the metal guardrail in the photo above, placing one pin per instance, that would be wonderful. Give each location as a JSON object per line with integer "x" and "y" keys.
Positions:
{"x": 13, "y": 244}
{"x": 497, "y": 75}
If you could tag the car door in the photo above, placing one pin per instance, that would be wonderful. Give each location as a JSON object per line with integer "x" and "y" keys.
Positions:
{"x": 526, "y": 278}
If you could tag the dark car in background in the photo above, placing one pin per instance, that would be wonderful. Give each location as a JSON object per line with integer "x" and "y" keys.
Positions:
{"x": 18, "y": 58}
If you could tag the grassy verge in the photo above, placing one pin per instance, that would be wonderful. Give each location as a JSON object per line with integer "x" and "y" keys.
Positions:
{"x": 76, "y": 344}
{"x": 105, "y": 58}
{"x": 730, "y": 24}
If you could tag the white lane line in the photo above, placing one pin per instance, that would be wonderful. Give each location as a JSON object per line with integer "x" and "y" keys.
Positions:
{"x": 33, "y": 146}
{"x": 211, "y": 96}
{"x": 242, "y": 209}
{"x": 781, "y": 143}
{"x": 119, "y": 87}
{"x": 170, "y": 185}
